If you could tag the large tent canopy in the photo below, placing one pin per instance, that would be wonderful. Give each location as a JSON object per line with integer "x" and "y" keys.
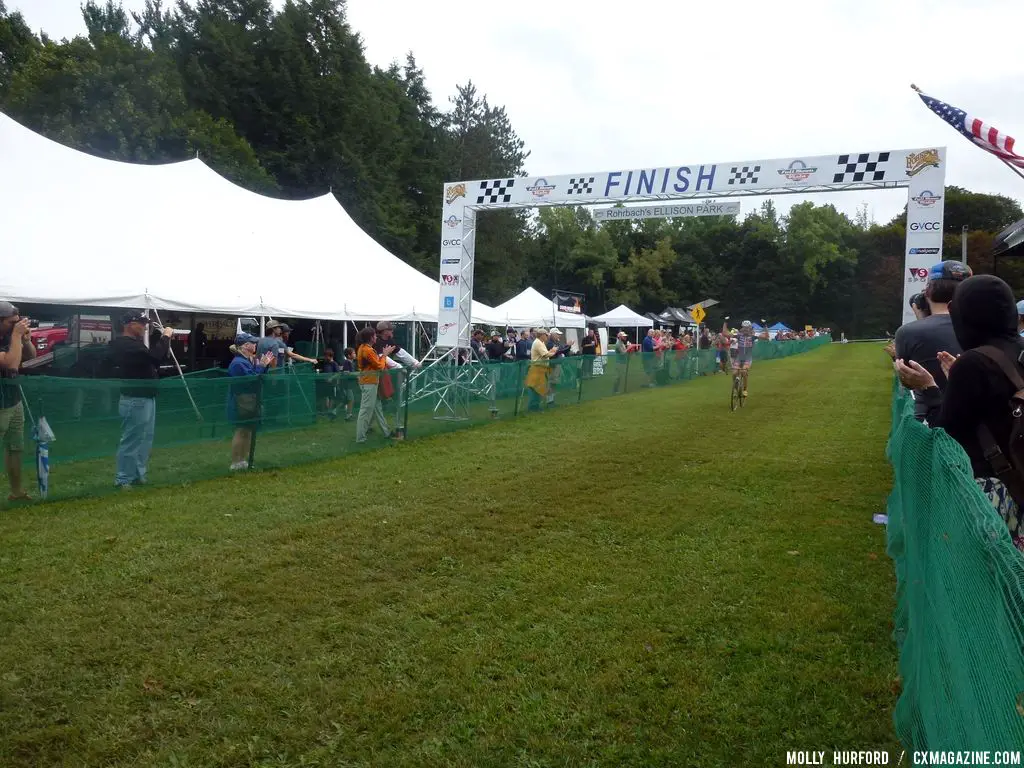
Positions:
{"x": 84, "y": 231}
{"x": 624, "y": 317}
{"x": 530, "y": 309}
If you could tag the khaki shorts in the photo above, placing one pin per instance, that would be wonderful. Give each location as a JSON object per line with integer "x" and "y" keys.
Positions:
{"x": 12, "y": 428}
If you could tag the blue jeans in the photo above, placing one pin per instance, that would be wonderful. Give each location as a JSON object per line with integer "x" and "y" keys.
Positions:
{"x": 138, "y": 425}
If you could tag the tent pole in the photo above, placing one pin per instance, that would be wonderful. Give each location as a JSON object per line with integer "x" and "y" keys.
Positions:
{"x": 180, "y": 372}
{"x": 263, "y": 326}
{"x": 344, "y": 334}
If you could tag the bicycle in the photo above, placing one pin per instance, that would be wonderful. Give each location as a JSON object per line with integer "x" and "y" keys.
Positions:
{"x": 737, "y": 396}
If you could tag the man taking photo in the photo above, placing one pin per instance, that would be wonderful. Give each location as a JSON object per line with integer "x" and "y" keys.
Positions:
{"x": 15, "y": 347}
{"x": 922, "y": 340}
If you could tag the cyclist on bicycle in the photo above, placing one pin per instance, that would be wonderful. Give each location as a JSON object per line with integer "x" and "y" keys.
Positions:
{"x": 744, "y": 354}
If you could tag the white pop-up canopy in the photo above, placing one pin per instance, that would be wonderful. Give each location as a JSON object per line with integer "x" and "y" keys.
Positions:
{"x": 531, "y": 309}
{"x": 81, "y": 230}
{"x": 624, "y": 317}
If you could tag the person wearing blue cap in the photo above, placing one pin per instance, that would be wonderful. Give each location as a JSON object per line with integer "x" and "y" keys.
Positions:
{"x": 244, "y": 396}
{"x": 922, "y": 340}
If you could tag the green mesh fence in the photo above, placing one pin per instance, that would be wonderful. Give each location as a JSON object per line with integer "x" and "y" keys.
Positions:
{"x": 959, "y": 622}
{"x": 303, "y": 414}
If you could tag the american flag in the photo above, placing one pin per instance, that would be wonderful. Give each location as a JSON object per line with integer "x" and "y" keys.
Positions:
{"x": 976, "y": 130}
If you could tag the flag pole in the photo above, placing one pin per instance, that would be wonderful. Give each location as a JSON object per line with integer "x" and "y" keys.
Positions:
{"x": 1013, "y": 168}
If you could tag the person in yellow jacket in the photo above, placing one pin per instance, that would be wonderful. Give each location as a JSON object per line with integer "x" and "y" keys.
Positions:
{"x": 540, "y": 369}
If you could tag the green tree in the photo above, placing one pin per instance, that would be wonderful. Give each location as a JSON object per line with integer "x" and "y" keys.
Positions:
{"x": 109, "y": 95}
{"x": 18, "y": 45}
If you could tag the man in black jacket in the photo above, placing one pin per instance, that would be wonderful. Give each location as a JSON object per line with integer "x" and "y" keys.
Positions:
{"x": 139, "y": 367}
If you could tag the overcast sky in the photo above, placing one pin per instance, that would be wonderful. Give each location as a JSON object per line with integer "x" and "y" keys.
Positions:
{"x": 594, "y": 86}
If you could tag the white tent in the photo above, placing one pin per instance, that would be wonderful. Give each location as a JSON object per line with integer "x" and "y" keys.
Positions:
{"x": 81, "y": 230}
{"x": 624, "y": 317}
{"x": 530, "y": 309}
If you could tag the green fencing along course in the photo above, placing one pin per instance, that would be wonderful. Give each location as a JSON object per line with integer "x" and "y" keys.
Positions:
{"x": 193, "y": 433}
{"x": 959, "y": 621}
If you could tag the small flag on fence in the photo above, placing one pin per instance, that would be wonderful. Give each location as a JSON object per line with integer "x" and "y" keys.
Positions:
{"x": 975, "y": 130}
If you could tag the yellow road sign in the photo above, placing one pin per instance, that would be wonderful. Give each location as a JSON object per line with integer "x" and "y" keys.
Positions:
{"x": 698, "y": 313}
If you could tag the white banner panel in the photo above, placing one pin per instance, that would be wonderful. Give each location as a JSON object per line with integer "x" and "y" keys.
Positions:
{"x": 920, "y": 170}
{"x": 792, "y": 174}
{"x": 667, "y": 211}
{"x": 927, "y": 172}
{"x": 458, "y": 232}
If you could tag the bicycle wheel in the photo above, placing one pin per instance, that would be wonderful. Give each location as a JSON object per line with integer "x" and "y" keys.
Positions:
{"x": 737, "y": 394}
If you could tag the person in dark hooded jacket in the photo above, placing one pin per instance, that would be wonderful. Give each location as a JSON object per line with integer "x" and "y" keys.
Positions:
{"x": 977, "y": 391}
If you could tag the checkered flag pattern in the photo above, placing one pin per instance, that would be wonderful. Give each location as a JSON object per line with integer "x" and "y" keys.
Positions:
{"x": 495, "y": 191}
{"x": 744, "y": 175}
{"x": 861, "y": 167}
{"x": 581, "y": 186}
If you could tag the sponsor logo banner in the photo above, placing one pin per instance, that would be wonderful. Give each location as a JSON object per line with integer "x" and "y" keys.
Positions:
{"x": 452, "y": 221}
{"x": 453, "y": 192}
{"x": 925, "y": 226}
{"x": 451, "y": 261}
{"x": 569, "y": 302}
{"x": 450, "y": 279}
{"x": 667, "y": 211}
{"x": 797, "y": 171}
{"x": 540, "y": 188}
{"x": 918, "y": 161}
{"x": 455, "y": 242}
{"x": 926, "y": 199}
{"x": 923, "y": 251}
{"x": 918, "y": 275}
{"x": 448, "y": 302}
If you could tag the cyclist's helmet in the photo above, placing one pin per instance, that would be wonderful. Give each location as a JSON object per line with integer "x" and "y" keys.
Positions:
{"x": 747, "y": 324}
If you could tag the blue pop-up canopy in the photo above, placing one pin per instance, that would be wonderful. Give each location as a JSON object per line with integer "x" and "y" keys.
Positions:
{"x": 779, "y": 327}
{"x": 758, "y": 327}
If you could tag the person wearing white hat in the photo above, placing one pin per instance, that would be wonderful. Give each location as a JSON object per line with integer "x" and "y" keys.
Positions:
{"x": 557, "y": 350}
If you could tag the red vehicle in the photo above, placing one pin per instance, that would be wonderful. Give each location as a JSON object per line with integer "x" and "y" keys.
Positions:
{"x": 48, "y": 335}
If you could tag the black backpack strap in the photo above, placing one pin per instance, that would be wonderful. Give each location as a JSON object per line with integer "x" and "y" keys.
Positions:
{"x": 993, "y": 454}
{"x": 1001, "y": 466}
{"x": 1008, "y": 367}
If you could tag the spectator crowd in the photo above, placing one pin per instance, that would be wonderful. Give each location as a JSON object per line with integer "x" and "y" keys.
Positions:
{"x": 136, "y": 356}
{"x": 962, "y": 359}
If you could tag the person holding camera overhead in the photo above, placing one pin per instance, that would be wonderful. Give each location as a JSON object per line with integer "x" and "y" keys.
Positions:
{"x": 244, "y": 396}
{"x": 15, "y": 347}
{"x": 131, "y": 361}
{"x": 370, "y": 364}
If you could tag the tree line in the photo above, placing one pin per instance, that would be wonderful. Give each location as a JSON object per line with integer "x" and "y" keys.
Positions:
{"x": 284, "y": 103}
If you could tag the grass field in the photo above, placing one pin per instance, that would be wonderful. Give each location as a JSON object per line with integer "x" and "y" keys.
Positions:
{"x": 646, "y": 580}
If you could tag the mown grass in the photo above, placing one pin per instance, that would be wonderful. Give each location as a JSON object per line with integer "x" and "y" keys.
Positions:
{"x": 646, "y": 580}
